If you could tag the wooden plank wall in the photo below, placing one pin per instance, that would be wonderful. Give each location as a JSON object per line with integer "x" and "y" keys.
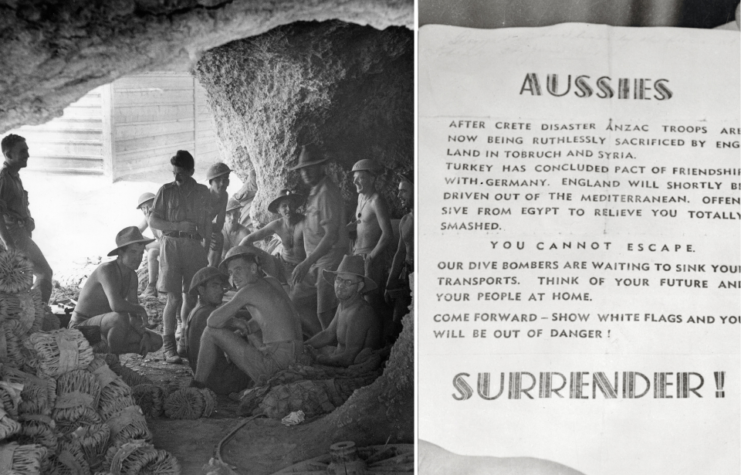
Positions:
{"x": 156, "y": 114}
{"x": 152, "y": 118}
{"x": 72, "y": 143}
{"x": 128, "y": 129}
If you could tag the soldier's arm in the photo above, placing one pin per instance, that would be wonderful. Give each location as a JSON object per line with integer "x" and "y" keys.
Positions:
{"x": 208, "y": 228}
{"x": 137, "y": 321}
{"x": 218, "y": 222}
{"x": 328, "y": 336}
{"x": 298, "y": 240}
{"x": 143, "y": 225}
{"x": 261, "y": 233}
{"x": 221, "y": 317}
{"x": 157, "y": 218}
{"x": 331, "y": 226}
{"x": 399, "y": 257}
{"x": 4, "y": 233}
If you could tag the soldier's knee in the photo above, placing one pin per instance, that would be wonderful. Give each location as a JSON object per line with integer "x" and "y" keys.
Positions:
{"x": 155, "y": 340}
{"x": 116, "y": 319}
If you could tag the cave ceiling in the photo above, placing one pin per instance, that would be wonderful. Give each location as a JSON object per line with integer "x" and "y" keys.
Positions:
{"x": 54, "y": 52}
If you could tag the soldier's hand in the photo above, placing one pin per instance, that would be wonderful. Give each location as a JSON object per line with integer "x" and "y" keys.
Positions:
{"x": 148, "y": 343}
{"x": 187, "y": 227}
{"x": 214, "y": 245}
{"x": 299, "y": 273}
{"x": 240, "y": 325}
{"x": 368, "y": 261}
{"x": 144, "y": 345}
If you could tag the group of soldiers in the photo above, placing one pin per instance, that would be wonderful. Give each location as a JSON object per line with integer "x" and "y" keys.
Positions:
{"x": 331, "y": 295}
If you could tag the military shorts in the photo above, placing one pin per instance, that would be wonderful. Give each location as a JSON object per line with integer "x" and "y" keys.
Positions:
{"x": 180, "y": 259}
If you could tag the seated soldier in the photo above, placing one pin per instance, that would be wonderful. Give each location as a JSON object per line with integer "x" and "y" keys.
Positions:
{"x": 273, "y": 334}
{"x": 289, "y": 228}
{"x": 108, "y": 299}
{"x": 208, "y": 283}
{"x": 233, "y": 231}
{"x": 153, "y": 248}
{"x": 355, "y": 328}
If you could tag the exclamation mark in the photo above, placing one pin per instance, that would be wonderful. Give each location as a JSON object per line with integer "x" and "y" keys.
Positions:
{"x": 720, "y": 377}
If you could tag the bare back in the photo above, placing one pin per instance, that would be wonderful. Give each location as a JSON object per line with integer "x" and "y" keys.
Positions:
{"x": 271, "y": 309}
{"x": 93, "y": 299}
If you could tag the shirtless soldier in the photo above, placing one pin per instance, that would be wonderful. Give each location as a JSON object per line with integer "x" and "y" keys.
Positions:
{"x": 397, "y": 286}
{"x": 108, "y": 299}
{"x": 181, "y": 211}
{"x": 273, "y": 334}
{"x": 233, "y": 232}
{"x": 16, "y": 223}
{"x": 218, "y": 181}
{"x": 209, "y": 284}
{"x": 374, "y": 233}
{"x": 325, "y": 242}
{"x": 355, "y": 329}
{"x": 289, "y": 228}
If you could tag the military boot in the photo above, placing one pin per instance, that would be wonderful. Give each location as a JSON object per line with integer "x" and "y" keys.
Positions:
{"x": 171, "y": 355}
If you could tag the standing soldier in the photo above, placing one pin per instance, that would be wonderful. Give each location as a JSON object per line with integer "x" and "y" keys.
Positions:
{"x": 153, "y": 248}
{"x": 397, "y": 286}
{"x": 374, "y": 234}
{"x": 218, "y": 181}
{"x": 325, "y": 242}
{"x": 182, "y": 212}
{"x": 233, "y": 232}
{"x": 16, "y": 223}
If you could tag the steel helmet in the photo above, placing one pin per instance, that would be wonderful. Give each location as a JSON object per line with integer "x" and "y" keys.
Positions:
{"x": 366, "y": 164}
{"x": 143, "y": 198}
{"x": 216, "y": 170}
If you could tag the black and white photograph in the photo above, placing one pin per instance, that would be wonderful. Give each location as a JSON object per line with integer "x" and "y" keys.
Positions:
{"x": 207, "y": 237}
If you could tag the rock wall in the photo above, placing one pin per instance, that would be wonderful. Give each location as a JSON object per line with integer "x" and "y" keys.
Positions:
{"x": 52, "y": 52}
{"x": 347, "y": 88}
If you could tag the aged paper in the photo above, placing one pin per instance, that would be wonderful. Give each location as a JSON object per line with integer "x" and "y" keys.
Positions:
{"x": 579, "y": 266}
